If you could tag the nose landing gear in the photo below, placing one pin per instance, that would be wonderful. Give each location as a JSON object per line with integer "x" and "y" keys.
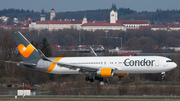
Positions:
{"x": 163, "y": 75}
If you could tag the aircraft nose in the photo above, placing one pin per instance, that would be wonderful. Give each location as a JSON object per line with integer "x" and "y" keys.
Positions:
{"x": 174, "y": 65}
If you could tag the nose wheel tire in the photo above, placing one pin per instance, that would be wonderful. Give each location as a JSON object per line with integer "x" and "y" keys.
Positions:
{"x": 163, "y": 75}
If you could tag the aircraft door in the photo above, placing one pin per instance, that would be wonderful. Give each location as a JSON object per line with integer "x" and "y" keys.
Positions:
{"x": 157, "y": 62}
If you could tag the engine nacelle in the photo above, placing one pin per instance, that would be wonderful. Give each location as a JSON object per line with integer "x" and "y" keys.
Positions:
{"x": 105, "y": 72}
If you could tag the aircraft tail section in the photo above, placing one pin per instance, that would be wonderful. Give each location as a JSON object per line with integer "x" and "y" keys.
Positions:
{"x": 28, "y": 52}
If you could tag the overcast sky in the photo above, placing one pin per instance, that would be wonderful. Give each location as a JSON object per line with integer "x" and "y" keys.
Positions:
{"x": 79, "y": 5}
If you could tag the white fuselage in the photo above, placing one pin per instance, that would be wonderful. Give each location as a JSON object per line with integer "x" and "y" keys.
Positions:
{"x": 120, "y": 64}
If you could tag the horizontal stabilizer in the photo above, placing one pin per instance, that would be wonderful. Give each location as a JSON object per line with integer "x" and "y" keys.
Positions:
{"x": 18, "y": 63}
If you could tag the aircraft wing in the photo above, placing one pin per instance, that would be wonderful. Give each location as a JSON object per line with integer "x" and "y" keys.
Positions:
{"x": 18, "y": 63}
{"x": 74, "y": 67}
{"x": 70, "y": 66}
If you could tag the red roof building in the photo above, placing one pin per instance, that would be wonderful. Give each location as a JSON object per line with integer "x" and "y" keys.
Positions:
{"x": 26, "y": 90}
{"x": 133, "y": 21}
{"x": 99, "y": 21}
{"x": 102, "y": 26}
{"x": 158, "y": 27}
{"x": 134, "y": 24}
{"x": 144, "y": 27}
{"x": 55, "y": 24}
{"x": 174, "y": 26}
{"x": 24, "y": 27}
{"x": 59, "y": 22}
{"x": 27, "y": 87}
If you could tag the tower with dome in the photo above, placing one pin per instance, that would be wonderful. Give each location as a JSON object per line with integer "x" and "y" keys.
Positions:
{"x": 113, "y": 14}
{"x": 42, "y": 15}
{"x": 53, "y": 14}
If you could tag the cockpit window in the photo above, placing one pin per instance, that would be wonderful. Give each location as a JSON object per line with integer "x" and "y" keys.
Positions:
{"x": 169, "y": 61}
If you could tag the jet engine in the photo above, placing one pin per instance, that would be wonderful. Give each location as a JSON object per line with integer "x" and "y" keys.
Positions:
{"x": 105, "y": 72}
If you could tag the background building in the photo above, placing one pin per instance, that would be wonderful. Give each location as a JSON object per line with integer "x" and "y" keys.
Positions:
{"x": 53, "y": 14}
{"x": 158, "y": 27}
{"x": 26, "y": 90}
{"x": 113, "y": 14}
{"x": 42, "y": 15}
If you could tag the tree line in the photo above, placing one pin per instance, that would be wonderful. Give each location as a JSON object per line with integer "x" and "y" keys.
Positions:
{"x": 157, "y": 17}
{"x": 145, "y": 40}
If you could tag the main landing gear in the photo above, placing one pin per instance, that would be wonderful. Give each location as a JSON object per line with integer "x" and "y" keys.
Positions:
{"x": 98, "y": 78}
{"x": 163, "y": 75}
{"x": 92, "y": 80}
{"x": 89, "y": 79}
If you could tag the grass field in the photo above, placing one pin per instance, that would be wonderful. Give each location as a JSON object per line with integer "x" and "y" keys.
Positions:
{"x": 158, "y": 83}
{"x": 82, "y": 99}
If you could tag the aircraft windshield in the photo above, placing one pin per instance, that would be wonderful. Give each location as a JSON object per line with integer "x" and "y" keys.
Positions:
{"x": 169, "y": 61}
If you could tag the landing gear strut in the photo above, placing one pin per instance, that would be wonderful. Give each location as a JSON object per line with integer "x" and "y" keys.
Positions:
{"x": 163, "y": 75}
{"x": 120, "y": 79}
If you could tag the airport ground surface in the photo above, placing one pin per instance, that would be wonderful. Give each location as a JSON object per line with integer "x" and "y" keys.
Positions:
{"x": 84, "y": 99}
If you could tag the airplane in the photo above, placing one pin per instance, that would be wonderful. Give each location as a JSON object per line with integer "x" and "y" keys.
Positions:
{"x": 95, "y": 67}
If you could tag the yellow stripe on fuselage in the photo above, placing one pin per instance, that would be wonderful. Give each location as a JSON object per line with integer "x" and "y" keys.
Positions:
{"x": 53, "y": 64}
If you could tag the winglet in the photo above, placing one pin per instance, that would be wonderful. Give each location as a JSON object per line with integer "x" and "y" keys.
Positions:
{"x": 92, "y": 51}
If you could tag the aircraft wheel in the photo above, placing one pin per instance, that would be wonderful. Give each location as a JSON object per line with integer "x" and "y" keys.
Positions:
{"x": 96, "y": 78}
{"x": 91, "y": 80}
{"x": 163, "y": 78}
{"x": 87, "y": 78}
{"x": 100, "y": 79}
{"x": 163, "y": 75}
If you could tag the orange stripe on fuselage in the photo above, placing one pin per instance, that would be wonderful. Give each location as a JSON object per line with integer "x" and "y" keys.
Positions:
{"x": 53, "y": 64}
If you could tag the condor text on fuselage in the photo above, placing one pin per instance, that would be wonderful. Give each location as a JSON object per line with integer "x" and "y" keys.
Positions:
{"x": 144, "y": 62}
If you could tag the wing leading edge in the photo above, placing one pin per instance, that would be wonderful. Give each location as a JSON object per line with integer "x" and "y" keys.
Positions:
{"x": 70, "y": 66}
